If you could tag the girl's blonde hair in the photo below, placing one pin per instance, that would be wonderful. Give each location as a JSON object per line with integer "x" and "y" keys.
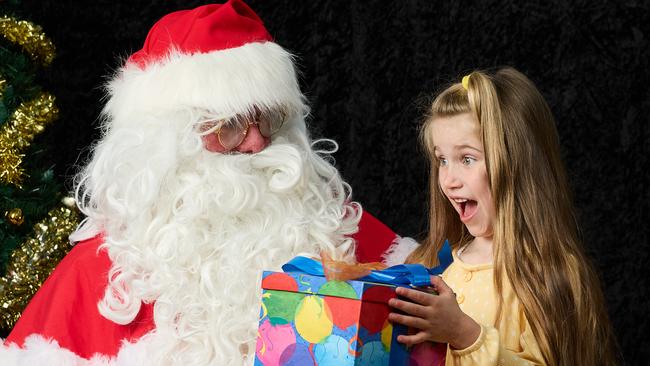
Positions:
{"x": 536, "y": 244}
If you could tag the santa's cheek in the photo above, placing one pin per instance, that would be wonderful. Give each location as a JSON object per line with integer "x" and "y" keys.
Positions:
{"x": 211, "y": 143}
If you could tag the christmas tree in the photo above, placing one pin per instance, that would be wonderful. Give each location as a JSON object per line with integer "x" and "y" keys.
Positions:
{"x": 37, "y": 217}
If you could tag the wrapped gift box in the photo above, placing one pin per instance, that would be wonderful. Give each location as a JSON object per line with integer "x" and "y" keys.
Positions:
{"x": 306, "y": 320}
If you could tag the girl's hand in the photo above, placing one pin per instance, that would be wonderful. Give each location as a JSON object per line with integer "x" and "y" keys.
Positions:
{"x": 437, "y": 317}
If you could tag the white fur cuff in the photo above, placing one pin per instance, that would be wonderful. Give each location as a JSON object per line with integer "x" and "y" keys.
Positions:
{"x": 398, "y": 251}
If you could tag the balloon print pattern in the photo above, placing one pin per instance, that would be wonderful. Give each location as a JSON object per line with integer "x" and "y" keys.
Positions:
{"x": 306, "y": 323}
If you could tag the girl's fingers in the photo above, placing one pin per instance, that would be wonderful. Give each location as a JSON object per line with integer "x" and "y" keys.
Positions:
{"x": 416, "y": 296}
{"x": 441, "y": 287}
{"x": 408, "y": 307}
{"x": 409, "y": 321}
{"x": 409, "y": 340}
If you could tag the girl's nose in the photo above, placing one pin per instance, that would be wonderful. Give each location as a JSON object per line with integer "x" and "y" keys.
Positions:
{"x": 448, "y": 179}
{"x": 254, "y": 142}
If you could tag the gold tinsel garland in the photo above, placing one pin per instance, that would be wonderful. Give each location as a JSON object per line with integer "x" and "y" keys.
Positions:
{"x": 28, "y": 120}
{"x": 33, "y": 261}
{"x": 30, "y": 37}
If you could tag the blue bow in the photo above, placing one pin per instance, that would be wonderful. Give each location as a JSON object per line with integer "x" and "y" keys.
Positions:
{"x": 403, "y": 274}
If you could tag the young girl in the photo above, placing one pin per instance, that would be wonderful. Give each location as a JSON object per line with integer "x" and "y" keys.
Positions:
{"x": 520, "y": 290}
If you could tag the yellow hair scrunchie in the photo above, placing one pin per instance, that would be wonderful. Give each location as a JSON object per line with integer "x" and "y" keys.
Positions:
{"x": 465, "y": 81}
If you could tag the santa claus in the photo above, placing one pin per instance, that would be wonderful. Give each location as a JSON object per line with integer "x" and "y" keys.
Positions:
{"x": 205, "y": 175}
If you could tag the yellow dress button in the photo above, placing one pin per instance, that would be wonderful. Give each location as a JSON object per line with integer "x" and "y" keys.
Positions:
{"x": 460, "y": 298}
{"x": 468, "y": 276}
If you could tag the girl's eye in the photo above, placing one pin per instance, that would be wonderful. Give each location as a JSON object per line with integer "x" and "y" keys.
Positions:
{"x": 442, "y": 161}
{"x": 467, "y": 160}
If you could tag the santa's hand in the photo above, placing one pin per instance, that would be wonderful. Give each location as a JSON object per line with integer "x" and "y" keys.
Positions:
{"x": 436, "y": 318}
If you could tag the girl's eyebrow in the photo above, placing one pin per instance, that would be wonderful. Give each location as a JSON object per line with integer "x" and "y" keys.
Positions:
{"x": 465, "y": 146}
{"x": 460, "y": 147}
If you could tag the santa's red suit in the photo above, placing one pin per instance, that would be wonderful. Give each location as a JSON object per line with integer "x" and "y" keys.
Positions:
{"x": 62, "y": 321}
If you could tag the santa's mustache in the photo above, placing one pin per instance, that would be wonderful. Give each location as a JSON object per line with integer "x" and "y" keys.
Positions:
{"x": 234, "y": 184}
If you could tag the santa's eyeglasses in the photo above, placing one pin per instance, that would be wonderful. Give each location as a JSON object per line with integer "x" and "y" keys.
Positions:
{"x": 231, "y": 132}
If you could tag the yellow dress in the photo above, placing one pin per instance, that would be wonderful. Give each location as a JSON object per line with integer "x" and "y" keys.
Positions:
{"x": 512, "y": 341}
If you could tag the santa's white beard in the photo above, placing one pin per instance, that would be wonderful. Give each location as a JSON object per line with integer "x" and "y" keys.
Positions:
{"x": 198, "y": 247}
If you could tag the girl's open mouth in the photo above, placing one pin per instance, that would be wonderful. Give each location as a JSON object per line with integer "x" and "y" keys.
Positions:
{"x": 468, "y": 209}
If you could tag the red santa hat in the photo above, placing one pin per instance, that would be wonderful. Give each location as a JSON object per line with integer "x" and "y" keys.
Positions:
{"x": 217, "y": 57}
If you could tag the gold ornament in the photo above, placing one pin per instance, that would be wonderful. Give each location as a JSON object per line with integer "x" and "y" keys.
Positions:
{"x": 27, "y": 121}
{"x": 15, "y": 216}
{"x": 33, "y": 261}
{"x": 30, "y": 37}
{"x": 69, "y": 202}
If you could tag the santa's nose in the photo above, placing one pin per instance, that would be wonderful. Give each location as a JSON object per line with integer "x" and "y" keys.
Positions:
{"x": 254, "y": 142}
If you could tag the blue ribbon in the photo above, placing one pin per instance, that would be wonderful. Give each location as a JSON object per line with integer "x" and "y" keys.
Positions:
{"x": 403, "y": 274}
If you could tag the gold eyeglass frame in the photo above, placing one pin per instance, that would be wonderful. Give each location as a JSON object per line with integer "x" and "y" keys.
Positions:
{"x": 249, "y": 122}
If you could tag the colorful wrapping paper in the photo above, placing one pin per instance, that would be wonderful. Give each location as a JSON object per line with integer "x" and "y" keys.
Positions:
{"x": 308, "y": 321}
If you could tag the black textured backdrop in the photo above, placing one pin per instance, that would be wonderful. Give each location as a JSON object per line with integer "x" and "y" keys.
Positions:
{"x": 367, "y": 64}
